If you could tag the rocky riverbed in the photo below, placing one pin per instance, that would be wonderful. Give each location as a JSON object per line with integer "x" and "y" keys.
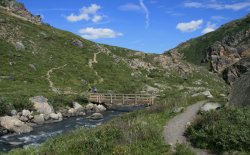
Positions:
{"x": 31, "y": 128}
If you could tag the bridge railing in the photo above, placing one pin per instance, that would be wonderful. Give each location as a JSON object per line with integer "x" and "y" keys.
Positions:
{"x": 122, "y": 98}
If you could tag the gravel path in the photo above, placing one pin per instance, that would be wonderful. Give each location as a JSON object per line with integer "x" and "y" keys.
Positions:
{"x": 175, "y": 128}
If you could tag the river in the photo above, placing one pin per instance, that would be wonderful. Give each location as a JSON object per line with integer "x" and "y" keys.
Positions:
{"x": 41, "y": 133}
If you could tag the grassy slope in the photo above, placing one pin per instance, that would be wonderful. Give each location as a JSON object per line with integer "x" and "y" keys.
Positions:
{"x": 194, "y": 49}
{"x": 46, "y": 48}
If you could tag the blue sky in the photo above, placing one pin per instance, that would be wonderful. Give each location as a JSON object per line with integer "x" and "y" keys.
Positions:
{"x": 145, "y": 25}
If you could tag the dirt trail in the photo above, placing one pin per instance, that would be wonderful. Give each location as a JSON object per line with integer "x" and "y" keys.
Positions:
{"x": 51, "y": 84}
{"x": 101, "y": 49}
{"x": 175, "y": 128}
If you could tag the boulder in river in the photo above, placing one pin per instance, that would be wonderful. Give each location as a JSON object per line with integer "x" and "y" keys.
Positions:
{"x": 41, "y": 105}
{"x": 55, "y": 116}
{"x": 96, "y": 116}
{"x": 90, "y": 107}
{"x": 14, "y": 125}
{"x": 100, "y": 108}
{"x": 38, "y": 119}
{"x": 77, "y": 106}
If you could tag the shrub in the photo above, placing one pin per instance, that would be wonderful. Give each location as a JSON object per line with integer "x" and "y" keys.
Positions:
{"x": 223, "y": 130}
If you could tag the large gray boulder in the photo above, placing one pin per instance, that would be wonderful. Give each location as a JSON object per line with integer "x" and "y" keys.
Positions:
{"x": 210, "y": 106}
{"x": 41, "y": 105}
{"x": 77, "y": 107}
{"x": 240, "y": 93}
{"x": 57, "y": 116}
{"x": 100, "y": 108}
{"x": 38, "y": 119}
{"x": 14, "y": 125}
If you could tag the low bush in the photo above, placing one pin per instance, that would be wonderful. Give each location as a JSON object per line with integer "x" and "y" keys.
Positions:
{"x": 224, "y": 130}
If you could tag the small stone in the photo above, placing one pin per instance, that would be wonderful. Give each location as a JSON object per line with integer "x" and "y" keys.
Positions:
{"x": 13, "y": 112}
{"x": 19, "y": 46}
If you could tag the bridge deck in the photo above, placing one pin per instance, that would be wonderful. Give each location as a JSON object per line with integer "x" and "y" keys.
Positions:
{"x": 131, "y": 99}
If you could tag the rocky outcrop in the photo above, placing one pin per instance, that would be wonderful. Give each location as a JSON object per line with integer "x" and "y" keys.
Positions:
{"x": 207, "y": 94}
{"x": 19, "y": 9}
{"x": 14, "y": 125}
{"x": 233, "y": 72}
{"x": 77, "y": 43}
{"x": 41, "y": 105}
{"x": 230, "y": 50}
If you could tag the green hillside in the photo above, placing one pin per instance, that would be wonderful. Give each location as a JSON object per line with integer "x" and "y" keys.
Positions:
{"x": 194, "y": 50}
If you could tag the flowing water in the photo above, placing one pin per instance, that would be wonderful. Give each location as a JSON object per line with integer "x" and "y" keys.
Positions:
{"x": 41, "y": 133}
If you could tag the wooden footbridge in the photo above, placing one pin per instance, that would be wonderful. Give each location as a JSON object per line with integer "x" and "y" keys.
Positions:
{"x": 122, "y": 99}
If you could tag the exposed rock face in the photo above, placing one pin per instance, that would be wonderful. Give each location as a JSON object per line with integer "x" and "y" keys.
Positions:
{"x": 77, "y": 43}
{"x": 19, "y": 9}
{"x": 205, "y": 93}
{"x": 240, "y": 95}
{"x": 230, "y": 50}
{"x": 233, "y": 72}
{"x": 41, "y": 105}
{"x": 19, "y": 46}
{"x": 14, "y": 125}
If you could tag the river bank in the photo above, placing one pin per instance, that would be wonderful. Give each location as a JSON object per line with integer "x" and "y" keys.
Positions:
{"x": 41, "y": 133}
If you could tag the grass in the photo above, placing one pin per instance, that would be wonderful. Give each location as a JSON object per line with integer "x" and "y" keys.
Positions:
{"x": 139, "y": 132}
{"x": 225, "y": 130}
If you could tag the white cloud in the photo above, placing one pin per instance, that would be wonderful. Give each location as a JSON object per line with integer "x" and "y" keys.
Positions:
{"x": 86, "y": 13}
{"x": 218, "y": 6}
{"x": 218, "y": 18}
{"x": 130, "y": 7}
{"x": 210, "y": 28}
{"x": 193, "y": 5}
{"x": 97, "y": 33}
{"x": 144, "y": 7}
{"x": 190, "y": 26}
{"x": 76, "y": 18}
{"x": 97, "y": 18}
